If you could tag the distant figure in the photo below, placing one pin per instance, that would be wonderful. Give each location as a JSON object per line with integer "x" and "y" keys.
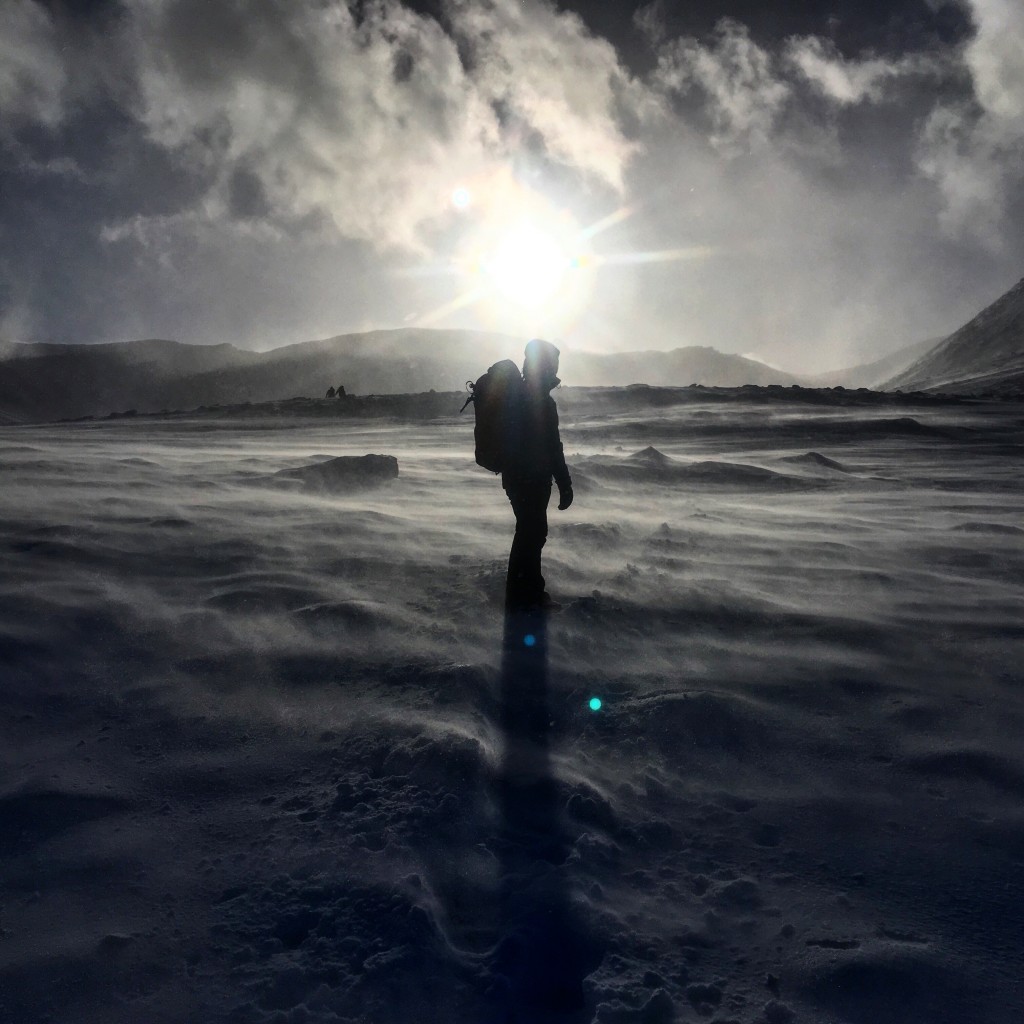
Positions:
{"x": 527, "y": 477}
{"x": 330, "y": 392}
{"x": 341, "y": 391}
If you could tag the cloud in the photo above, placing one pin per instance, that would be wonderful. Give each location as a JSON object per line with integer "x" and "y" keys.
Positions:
{"x": 294, "y": 111}
{"x": 262, "y": 170}
{"x": 32, "y": 72}
{"x": 846, "y": 82}
{"x": 743, "y": 93}
{"x": 973, "y": 151}
{"x": 958, "y": 152}
{"x": 555, "y": 78}
{"x": 995, "y": 57}
{"x": 650, "y": 20}
{"x": 311, "y": 114}
{"x": 969, "y": 144}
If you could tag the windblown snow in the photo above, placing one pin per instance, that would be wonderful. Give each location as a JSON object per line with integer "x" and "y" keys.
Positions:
{"x": 265, "y": 759}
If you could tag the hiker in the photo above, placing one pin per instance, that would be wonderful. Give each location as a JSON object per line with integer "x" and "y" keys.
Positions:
{"x": 528, "y": 474}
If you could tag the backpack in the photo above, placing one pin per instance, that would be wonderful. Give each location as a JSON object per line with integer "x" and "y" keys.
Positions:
{"x": 498, "y": 398}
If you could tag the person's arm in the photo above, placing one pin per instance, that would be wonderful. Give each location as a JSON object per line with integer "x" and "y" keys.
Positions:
{"x": 559, "y": 470}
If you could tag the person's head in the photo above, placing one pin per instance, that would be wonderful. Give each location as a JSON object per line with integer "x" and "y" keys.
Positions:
{"x": 541, "y": 362}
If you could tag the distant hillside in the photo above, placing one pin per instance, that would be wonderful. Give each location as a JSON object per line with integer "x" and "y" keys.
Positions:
{"x": 48, "y": 382}
{"x": 985, "y": 355}
{"x": 43, "y": 382}
{"x": 876, "y": 373}
{"x": 677, "y": 368}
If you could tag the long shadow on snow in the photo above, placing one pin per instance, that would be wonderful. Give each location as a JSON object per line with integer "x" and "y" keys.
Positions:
{"x": 545, "y": 953}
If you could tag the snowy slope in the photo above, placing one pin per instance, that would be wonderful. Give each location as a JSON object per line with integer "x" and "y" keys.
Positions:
{"x": 986, "y": 354}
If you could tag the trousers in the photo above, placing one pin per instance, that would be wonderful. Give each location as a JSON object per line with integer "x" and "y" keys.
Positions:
{"x": 529, "y": 499}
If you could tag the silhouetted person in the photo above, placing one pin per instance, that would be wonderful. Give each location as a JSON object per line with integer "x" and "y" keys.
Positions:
{"x": 527, "y": 479}
{"x": 341, "y": 391}
{"x": 330, "y": 393}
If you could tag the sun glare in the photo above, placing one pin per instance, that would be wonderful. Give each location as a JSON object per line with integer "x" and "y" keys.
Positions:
{"x": 523, "y": 262}
{"x": 528, "y": 265}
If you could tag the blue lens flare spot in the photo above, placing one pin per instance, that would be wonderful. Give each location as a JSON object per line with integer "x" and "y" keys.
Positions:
{"x": 529, "y": 639}
{"x": 595, "y": 703}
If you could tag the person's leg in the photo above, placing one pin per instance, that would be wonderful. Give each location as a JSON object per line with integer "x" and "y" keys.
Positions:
{"x": 529, "y": 502}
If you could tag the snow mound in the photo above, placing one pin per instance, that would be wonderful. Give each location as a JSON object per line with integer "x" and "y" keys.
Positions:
{"x": 889, "y": 426}
{"x": 734, "y": 473}
{"x": 650, "y": 456}
{"x": 816, "y": 459}
{"x": 345, "y": 473}
{"x": 651, "y": 466}
{"x": 1006, "y": 528}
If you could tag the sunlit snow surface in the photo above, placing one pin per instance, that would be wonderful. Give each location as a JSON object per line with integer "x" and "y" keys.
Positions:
{"x": 258, "y": 751}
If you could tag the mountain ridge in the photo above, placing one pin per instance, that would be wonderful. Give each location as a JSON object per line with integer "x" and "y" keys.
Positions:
{"x": 986, "y": 354}
{"x": 44, "y": 382}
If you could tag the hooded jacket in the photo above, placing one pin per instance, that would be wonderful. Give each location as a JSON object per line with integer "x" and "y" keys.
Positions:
{"x": 540, "y": 456}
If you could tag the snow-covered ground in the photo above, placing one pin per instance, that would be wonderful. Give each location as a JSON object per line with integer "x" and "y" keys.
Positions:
{"x": 271, "y": 754}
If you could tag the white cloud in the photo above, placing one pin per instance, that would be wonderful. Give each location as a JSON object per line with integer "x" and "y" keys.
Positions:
{"x": 744, "y": 94}
{"x": 555, "y": 77}
{"x": 297, "y": 110}
{"x": 970, "y": 148}
{"x": 995, "y": 57}
{"x": 846, "y": 82}
{"x": 32, "y": 72}
{"x": 955, "y": 152}
{"x": 300, "y": 111}
{"x": 974, "y": 152}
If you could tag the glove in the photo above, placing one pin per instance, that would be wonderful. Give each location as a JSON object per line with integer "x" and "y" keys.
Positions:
{"x": 564, "y": 497}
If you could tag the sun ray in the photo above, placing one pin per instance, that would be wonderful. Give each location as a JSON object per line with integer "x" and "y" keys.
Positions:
{"x": 617, "y": 217}
{"x": 693, "y": 252}
{"x": 467, "y": 298}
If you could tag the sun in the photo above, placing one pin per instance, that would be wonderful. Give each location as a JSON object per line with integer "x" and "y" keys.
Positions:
{"x": 524, "y": 263}
{"x": 527, "y": 265}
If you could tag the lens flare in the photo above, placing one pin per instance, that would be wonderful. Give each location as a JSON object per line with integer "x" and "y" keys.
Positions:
{"x": 595, "y": 703}
{"x": 461, "y": 197}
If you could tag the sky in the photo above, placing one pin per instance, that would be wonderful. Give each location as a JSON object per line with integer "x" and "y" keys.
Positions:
{"x": 813, "y": 184}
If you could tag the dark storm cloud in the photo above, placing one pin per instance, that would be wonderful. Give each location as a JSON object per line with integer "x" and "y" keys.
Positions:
{"x": 253, "y": 171}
